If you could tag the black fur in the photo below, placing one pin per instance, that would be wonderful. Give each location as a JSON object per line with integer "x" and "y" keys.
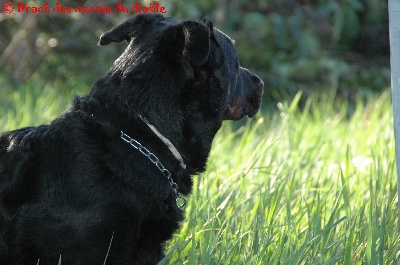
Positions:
{"x": 74, "y": 189}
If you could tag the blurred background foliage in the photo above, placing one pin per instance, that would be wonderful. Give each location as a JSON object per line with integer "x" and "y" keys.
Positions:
{"x": 307, "y": 45}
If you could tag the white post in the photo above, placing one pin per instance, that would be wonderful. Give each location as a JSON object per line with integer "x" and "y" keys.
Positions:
{"x": 394, "y": 32}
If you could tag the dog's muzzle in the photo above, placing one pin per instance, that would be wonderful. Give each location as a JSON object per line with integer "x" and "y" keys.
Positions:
{"x": 246, "y": 97}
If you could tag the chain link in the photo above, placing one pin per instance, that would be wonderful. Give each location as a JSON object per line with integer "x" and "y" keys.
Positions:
{"x": 179, "y": 197}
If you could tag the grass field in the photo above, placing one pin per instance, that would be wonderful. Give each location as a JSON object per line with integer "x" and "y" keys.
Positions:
{"x": 315, "y": 186}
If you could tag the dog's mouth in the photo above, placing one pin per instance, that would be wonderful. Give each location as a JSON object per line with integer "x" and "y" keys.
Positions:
{"x": 245, "y": 107}
{"x": 234, "y": 113}
{"x": 239, "y": 111}
{"x": 255, "y": 104}
{"x": 252, "y": 113}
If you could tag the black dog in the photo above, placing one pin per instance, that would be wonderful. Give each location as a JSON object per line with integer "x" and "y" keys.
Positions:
{"x": 104, "y": 181}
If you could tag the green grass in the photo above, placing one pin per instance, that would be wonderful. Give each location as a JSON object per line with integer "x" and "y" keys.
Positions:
{"x": 315, "y": 186}
{"x": 310, "y": 187}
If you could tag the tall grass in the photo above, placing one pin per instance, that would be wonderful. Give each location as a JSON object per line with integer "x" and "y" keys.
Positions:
{"x": 310, "y": 186}
{"x": 297, "y": 187}
{"x": 36, "y": 102}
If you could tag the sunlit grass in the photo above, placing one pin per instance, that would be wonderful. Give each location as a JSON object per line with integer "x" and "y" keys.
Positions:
{"x": 35, "y": 103}
{"x": 315, "y": 186}
{"x": 297, "y": 187}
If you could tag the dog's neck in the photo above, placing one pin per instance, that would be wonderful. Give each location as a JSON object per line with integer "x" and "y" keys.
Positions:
{"x": 100, "y": 118}
{"x": 167, "y": 142}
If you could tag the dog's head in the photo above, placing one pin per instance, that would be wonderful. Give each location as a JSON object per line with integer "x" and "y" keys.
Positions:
{"x": 182, "y": 75}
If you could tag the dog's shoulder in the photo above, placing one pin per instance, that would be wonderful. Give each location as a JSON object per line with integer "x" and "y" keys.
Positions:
{"x": 19, "y": 150}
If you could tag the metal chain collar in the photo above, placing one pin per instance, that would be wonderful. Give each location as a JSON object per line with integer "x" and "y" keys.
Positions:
{"x": 179, "y": 197}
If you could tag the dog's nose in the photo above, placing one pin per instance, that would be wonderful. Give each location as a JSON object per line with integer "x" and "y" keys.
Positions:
{"x": 258, "y": 82}
{"x": 261, "y": 84}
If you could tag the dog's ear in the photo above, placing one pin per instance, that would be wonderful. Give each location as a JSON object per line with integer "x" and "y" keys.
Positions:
{"x": 197, "y": 40}
{"x": 128, "y": 29}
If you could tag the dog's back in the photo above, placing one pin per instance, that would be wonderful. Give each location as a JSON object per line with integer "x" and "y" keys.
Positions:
{"x": 16, "y": 170}
{"x": 16, "y": 179}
